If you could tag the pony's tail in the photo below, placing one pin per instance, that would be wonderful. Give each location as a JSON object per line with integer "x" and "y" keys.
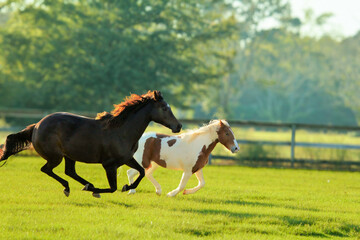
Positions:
{"x": 17, "y": 142}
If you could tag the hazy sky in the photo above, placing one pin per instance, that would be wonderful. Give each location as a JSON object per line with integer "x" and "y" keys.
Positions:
{"x": 346, "y": 18}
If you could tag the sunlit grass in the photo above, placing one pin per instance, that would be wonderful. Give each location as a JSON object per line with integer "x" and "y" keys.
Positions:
{"x": 236, "y": 203}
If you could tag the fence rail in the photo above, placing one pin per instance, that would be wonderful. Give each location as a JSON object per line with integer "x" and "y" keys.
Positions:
{"x": 292, "y": 144}
{"x": 38, "y": 114}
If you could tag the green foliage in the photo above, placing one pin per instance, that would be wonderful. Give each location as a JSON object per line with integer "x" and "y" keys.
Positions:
{"x": 213, "y": 56}
{"x": 89, "y": 54}
{"x": 236, "y": 202}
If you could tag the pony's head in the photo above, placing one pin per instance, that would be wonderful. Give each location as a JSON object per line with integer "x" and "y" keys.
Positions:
{"x": 162, "y": 114}
{"x": 226, "y": 136}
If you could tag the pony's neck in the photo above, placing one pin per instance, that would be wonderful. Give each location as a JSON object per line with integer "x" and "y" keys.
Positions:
{"x": 207, "y": 133}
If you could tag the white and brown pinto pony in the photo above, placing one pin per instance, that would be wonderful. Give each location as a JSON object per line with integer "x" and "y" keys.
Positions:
{"x": 188, "y": 152}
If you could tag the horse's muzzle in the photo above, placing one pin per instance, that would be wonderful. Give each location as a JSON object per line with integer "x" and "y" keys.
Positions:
{"x": 177, "y": 129}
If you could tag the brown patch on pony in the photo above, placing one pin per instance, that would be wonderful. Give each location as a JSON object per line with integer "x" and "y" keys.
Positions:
{"x": 151, "y": 153}
{"x": 130, "y": 104}
{"x": 171, "y": 142}
{"x": 203, "y": 157}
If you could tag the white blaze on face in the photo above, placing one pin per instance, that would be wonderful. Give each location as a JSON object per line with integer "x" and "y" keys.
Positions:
{"x": 235, "y": 142}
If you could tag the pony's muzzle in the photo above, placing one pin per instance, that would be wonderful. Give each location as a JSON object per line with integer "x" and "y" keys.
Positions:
{"x": 235, "y": 149}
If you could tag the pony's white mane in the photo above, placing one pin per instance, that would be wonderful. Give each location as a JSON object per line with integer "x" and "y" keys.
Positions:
{"x": 212, "y": 127}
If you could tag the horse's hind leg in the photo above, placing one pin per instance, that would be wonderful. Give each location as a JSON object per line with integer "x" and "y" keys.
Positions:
{"x": 199, "y": 175}
{"x": 71, "y": 172}
{"x": 48, "y": 169}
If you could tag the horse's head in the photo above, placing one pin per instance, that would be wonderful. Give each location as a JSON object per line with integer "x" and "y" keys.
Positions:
{"x": 226, "y": 137}
{"x": 162, "y": 114}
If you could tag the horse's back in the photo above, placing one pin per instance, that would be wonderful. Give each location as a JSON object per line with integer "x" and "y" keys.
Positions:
{"x": 66, "y": 134}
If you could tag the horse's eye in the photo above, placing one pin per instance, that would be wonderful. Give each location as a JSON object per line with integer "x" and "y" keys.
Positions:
{"x": 164, "y": 109}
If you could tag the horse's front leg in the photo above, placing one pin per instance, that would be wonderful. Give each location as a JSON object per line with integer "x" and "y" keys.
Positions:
{"x": 134, "y": 164}
{"x": 185, "y": 178}
{"x": 112, "y": 179}
{"x": 199, "y": 175}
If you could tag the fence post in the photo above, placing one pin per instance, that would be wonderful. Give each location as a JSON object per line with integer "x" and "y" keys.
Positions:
{"x": 293, "y": 130}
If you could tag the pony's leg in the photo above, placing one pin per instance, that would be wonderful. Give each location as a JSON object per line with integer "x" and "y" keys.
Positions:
{"x": 199, "y": 175}
{"x": 185, "y": 178}
{"x": 48, "y": 169}
{"x": 148, "y": 173}
{"x": 71, "y": 172}
{"x": 131, "y": 173}
{"x": 134, "y": 164}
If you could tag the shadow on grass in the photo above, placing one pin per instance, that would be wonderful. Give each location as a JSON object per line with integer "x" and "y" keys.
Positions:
{"x": 251, "y": 203}
{"x": 100, "y": 205}
{"x": 295, "y": 225}
{"x": 120, "y": 204}
{"x": 223, "y": 212}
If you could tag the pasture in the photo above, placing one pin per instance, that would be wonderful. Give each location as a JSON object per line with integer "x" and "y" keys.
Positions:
{"x": 236, "y": 203}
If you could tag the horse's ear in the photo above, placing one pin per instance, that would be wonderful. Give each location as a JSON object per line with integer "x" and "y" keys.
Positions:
{"x": 157, "y": 95}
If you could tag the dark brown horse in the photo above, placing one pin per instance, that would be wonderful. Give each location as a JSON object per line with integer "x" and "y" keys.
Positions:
{"x": 111, "y": 139}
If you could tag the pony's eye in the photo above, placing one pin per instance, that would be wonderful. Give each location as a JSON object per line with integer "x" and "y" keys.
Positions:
{"x": 227, "y": 134}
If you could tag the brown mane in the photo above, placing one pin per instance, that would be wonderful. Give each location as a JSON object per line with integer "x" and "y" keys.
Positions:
{"x": 130, "y": 104}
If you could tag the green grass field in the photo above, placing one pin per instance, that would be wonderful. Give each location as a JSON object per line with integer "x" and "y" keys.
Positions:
{"x": 236, "y": 203}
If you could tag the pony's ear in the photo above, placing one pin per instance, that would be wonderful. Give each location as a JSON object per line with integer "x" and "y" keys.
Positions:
{"x": 157, "y": 95}
{"x": 221, "y": 124}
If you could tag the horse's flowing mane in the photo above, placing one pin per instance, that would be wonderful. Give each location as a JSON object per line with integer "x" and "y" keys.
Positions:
{"x": 213, "y": 125}
{"x": 130, "y": 104}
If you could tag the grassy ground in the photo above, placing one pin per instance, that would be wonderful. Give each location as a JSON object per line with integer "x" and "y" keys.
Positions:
{"x": 236, "y": 203}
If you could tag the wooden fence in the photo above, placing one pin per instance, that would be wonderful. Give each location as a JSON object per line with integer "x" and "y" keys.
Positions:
{"x": 292, "y": 160}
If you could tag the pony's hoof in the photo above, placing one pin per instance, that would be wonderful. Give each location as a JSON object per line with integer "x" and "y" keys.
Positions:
{"x": 158, "y": 193}
{"x": 96, "y": 195}
{"x": 66, "y": 192}
{"x": 125, "y": 188}
{"x": 86, "y": 187}
{"x": 132, "y": 191}
{"x": 170, "y": 194}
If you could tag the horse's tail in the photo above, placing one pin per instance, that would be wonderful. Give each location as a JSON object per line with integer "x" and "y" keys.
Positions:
{"x": 17, "y": 142}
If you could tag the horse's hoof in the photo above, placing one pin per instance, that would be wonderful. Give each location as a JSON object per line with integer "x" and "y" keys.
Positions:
{"x": 132, "y": 191}
{"x": 66, "y": 192}
{"x": 96, "y": 195}
{"x": 158, "y": 193}
{"x": 125, "y": 188}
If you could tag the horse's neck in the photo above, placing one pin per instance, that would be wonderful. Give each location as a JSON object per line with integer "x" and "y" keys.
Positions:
{"x": 136, "y": 123}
